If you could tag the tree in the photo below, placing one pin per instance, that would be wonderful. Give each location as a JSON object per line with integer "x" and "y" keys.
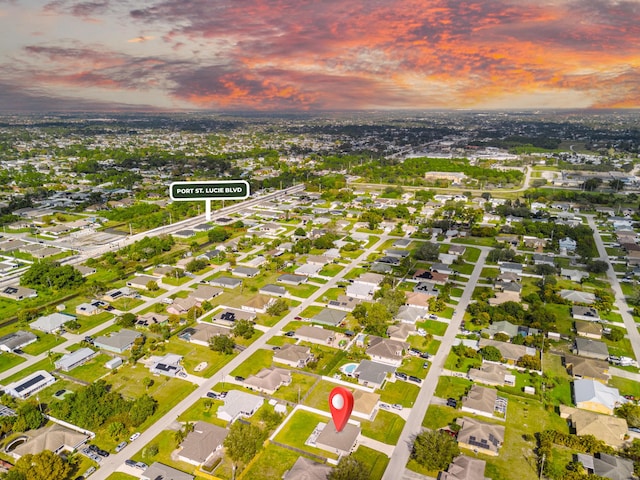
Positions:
{"x": 597, "y": 266}
{"x": 244, "y": 329}
{"x": 243, "y": 442}
{"x": 372, "y": 218}
{"x": 376, "y": 320}
{"x": 116, "y": 430}
{"x": 147, "y": 382}
{"x": 615, "y": 334}
{"x": 127, "y": 320}
{"x": 42, "y": 466}
{"x": 143, "y": 407}
{"x": 491, "y": 353}
{"x": 29, "y": 417}
{"x": 218, "y": 234}
{"x": 48, "y": 274}
{"x": 222, "y": 343}
{"x": 631, "y": 413}
{"x": 196, "y": 265}
{"x": 427, "y": 251}
{"x": 501, "y": 337}
{"x": 531, "y": 362}
{"x": 324, "y": 242}
{"x": 434, "y": 449}
{"x": 278, "y": 307}
{"x": 152, "y": 286}
{"x": 300, "y": 232}
{"x": 349, "y": 468}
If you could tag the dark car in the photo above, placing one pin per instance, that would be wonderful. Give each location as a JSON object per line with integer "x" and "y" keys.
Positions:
{"x": 290, "y": 333}
{"x": 130, "y": 463}
{"x": 102, "y": 453}
{"x": 239, "y": 378}
{"x": 401, "y": 376}
{"x": 414, "y": 379}
{"x": 452, "y": 402}
{"x": 212, "y": 395}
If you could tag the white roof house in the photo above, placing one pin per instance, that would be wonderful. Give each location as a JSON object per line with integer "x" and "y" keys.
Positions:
{"x": 239, "y": 404}
{"x": 29, "y": 385}
{"x": 593, "y": 395}
{"x": 51, "y": 323}
{"x": 75, "y": 359}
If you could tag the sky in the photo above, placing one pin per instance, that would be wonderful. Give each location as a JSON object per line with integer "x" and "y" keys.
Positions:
{"x": 313, "y": 55}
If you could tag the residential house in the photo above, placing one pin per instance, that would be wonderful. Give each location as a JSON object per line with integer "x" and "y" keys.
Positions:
{"x": 409, "y": 315}
{"x": 167, "y": 365}
{"x": 245, "y": 272}
{"x": 16, "y": 340}
{"x": 486, "y": 438}
{"x": 480, "y": 401}
{"x": 587, "y": 368}
{"x": 202, "y": 443}
{"x": 510, "y": 352}
{"x": 296, "y": 356}
{"x": 373, "y": 374}
{"x": 239, "y": 404}
{"x": 89, "y": 309}
{"x": 511, "y": 267}
{"x": 588, "y": 329}
{"x": 464, "y": 468}
{"x": 151, "y": 318}
{"x": 52, "y": 323}
{"x": 401, "y": 331}
{"x": 225, "y": 282}
{"x": 360, "y": 290}
{"x": 141, "y": 281}
{"x": 387, "y": 351}
{"x": 489, "y": 373}
{"x": 611, "y": 430}
{"x": 341, "y": 443}
{"x": 305, "y": 469}
{"x": 229, "y": 316}
{"x": 596, "y": 397}
{"x": 568, "y": 244}
{"x": 205, "y": 293}
{"x": 117, "y": 342}
{"x": 308, "y": 270}
{"x": 274, "y": 290}
{"x": 573, "y": 275}
{"x": 181, "y": 306}
{"x": 202, "y": 333}
{"x": 344, "y": 303}
{"x": 586, "y": 347}
{"x": 542, "y": 259}
{"x": 365, "y": 404}
{"x": 576, "y": 296}
{"x": 418, "y": 300}
{"x": 268, "y": 380}
{"x": 290, "y": 279}
{"x": 27, "y": 386}
{"x": 585, "y": 313}
{"x": 606, "y": 466}
{"x": 55, "y": 438}
{"x": 258, "y": 304}
{"x": 74, "y": 359}
{"x": 317, "y": 335}
{"x": 328, "y": 316}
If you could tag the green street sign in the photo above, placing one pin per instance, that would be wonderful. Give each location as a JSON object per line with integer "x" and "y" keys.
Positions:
{"x": 218, "y": 190}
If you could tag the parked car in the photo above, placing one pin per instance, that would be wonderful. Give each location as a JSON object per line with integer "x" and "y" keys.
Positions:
{"x": 130, "y": 463}
{"x": 401, "y": 376}
{"x": 634, "y": 429}
{"x": 134, "y": 436}
{"x": 414, "y": 379}
{"x": 120, "y": 446}
{"x": 212, "y": 395}
{"x": 396, "y": 406}
{"x": 141, "y": 465}
{"x": 290, "y": 333}
{"x": 422, "y": 332}
{"x": 452, "y": 402}
{"x": 385, "y": 406}
{"x": 89, "y": 471}
{"x": 433, "y": 317}
{"x": 239, "y": 378}
{"x": 415, "y": 352}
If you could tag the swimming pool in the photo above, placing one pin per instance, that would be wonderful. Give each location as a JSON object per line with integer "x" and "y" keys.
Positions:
{"x": 349, "y": 368}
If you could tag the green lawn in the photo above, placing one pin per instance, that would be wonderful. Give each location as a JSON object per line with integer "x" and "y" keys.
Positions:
{"x": 331, "y": 270}
{"x": 299, "y": 428}
{"x": 44, "y": 364}
{"x": 271, "y": 463}
{"x": 121, "y": 476}
{"x": 424, "y": 344}
{"x": 198, "y": 411}
{"x": 452, "y": 387}
{"x": 400, "y": 392}
{"x": 434, "y": 327}
{"x": 318, "y": 396}
{"x": 626, "y": 387}
{"x": 300, "y": 386}
{"x": 166, "y": 445}
{"x": 92, "y": 370}
{"x": 414, "y": 366}
{"x": 385, "y": 428}
{"x": 451, "y": 363}
{"x": 194, "y": 354}
{"x": 10, "y": 360}
{"x": 376, "y": 461}
{"x": 303, "y": 291}
{"x": 46, "y": 341}
{"x": 463, "y": 268}
{"x": 260, "y": 359}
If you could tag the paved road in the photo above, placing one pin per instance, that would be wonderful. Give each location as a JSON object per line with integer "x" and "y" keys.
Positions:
{"x": 413, "y": 426}
{"x": 620, "y": 302}
{"x": 114, "y": 461}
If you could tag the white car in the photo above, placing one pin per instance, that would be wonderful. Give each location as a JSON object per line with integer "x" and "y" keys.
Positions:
{"x": 134, "y": 436}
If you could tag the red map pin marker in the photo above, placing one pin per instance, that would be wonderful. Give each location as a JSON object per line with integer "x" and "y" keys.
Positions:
{"x": 341, "y": 406}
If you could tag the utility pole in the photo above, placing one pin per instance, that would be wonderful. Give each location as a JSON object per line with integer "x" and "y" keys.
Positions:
{"x": 544, "y": 456}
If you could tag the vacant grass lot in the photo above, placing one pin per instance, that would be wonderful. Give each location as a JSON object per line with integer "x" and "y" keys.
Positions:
{"x": 400, "y": 392}
{"x": 385, "y": 428}
{"x": 374, "y": 460}
{"x": 195, "y": 354}
{"x": 92, "y": 370}
{"x": 452, "y": 387}
{"x": 46, "y": 341}
{"x": 300, "y": 386}
{"x": 434, "y": 327}
{"x": 198, "y": 411}
{"x": 319, "y": 395}
{"x": 256, "y": 362}
{"x": 415, "y": 366}
{"x": 10, "y": 360}
{"x": 271, "y": 463}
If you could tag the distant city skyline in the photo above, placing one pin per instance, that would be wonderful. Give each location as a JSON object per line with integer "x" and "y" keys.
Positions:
{"x": 100, "y": 55}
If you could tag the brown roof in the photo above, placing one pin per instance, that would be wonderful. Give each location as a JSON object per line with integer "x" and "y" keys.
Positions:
{"x": 609, "y": 429}
{"x": 202, "y": 441}
{"x": 481, "y": 399}
{"x": 587, "y": 367}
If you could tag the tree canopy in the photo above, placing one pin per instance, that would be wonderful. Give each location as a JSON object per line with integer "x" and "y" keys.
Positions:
{"x": 434, "y": 449}
{"x": 48, "y": 274}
